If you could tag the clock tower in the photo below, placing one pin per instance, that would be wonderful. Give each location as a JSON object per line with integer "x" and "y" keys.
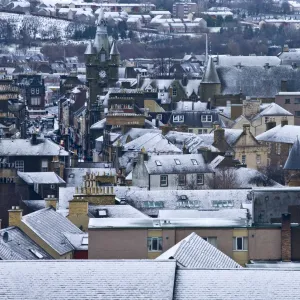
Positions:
{"x": 98, "y": 74}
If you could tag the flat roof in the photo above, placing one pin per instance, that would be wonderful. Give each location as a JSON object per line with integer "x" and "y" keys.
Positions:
{"x": 109, "y": 223}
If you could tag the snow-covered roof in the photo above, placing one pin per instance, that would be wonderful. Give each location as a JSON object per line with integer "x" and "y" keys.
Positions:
{"x": 190, "y": 105}
{"x": 19, "y": 246}
{"x": 177, "y": 164}
{"x": 22, "y": 147}
{"x": 74, "y": 176}
{"x": 273, "y": 110}
{"x": 233, "y": 213}
{"x": 195, "y": 252}
{"x": 50, "y": 226}
{"x": 210, "y": 75}
{"x": 280, "y": 134}
{"x": 152, "y": 142}
{"x": 293, "y": 160}
{"x": 41, "y": 177}
{"x": 99, "y": 125}
{"x": 226, "y": 284}
{"x": 117, "y": 211}
{"x": 230, "y": 61}
{"x": 78, "y": 240}
{"x": 103, "y": 223}
{"x": 105, "y": 279}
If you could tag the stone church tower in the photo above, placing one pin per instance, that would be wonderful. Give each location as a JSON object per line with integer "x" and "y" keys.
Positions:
{"x": 102, "y": 68}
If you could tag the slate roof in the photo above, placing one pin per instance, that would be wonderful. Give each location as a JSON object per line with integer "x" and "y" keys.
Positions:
{"x": 41, "y": 177}
{"x": 78, "y": 240}
{"x": 210, "y": 74}
{"x": 22, "y": 147}
{"x": 19, "y": 246}
{"x": 273, "y": 110}
{"x": 35, "y": 205}
{"x": 50, "y": 226}
{"x": 231, "y": 61}
{"x": 195, "y": 252}
{"x": 293, "y": 160}
{"x": 257, "y": 81}
{"x": 280, "y": 134}
{"x": 109, "y": 280}
{"x": 177, "y": 164}
{"x": 230, "y": 284}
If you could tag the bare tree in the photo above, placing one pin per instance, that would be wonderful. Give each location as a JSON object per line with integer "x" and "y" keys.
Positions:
{"x": 224, "y": 178}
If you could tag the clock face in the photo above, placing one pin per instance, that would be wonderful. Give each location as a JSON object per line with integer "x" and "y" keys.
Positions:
{"x": 102, "y": 74}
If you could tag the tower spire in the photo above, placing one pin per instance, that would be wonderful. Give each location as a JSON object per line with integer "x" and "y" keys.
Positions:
{"x": 101, "y": 39}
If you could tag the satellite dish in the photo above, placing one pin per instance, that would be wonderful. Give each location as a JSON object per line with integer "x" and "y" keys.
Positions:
{"x": 5, "y": 237}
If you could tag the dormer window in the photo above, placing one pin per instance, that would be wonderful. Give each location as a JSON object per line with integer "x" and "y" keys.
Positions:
{"x": 206, "y": 118}
{"x": 178, "y": 118}
{"x": 174, "y": 92}
{"x": 102, "y": 57}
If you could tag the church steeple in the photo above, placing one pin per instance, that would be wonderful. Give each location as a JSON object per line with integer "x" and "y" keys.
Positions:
{"x": 101, "y": 39}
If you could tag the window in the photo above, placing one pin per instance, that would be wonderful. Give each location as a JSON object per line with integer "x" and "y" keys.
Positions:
{"x": 240, "y": 243}
{"x": 297, "y": 113}
{"x": 190, "y": 130}
{"x": 211, "y": 240}
{"x": 206, "y": 118}
{"x": 243, "y": 159}
{"x": 158, "y": 163}
{"x": 287, "y": 101}
{"x": 258, "y": 159}
{"x": 297, "y": 100}
{"x": 36, "y": 253}
{"x": 37, "y": 91}
{"x": 174, "y": 92}
{"x": 278, "y": 148}
{"x": 85, "y": 241}
{"x": 52, "y": 186}
{"x": 159, "y": 117}
{"x": 102, "y": 57}
{"x": 154, "y": 243}
{"x": 181, "y": 179}
{"x": 32, "y": 91}
{"x": 177, "y": 162}
{"x": 202, "y": 131}
{"x": 194, "y": 161}
{"x": 200, "y": 179}
{"x": 269, "y": 147}
{"x": 19, "y": 165}
{"x": 222, "y": 203}
{"x": 266, "y": 119}
{"x": 163, "y": 180}
{"x": 35, "y": 101}
{"x": 153, "y": 204}
{"x": 178, "y": 118}
{"x": 44, "y": 165}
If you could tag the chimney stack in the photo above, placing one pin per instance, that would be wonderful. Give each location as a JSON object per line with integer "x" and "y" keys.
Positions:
{"x": 51, "y": 201}
{"x": 283, "y": 86}
{"x": 219, "y": 135}
{"x": 15, "y": 216}
{"x": 286, "y": 242}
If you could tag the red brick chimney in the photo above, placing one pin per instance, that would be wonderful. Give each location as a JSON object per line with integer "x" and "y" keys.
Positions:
{"x": 286, "y": 243}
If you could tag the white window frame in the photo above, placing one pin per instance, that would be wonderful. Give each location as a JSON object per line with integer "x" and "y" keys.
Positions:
{"x": 158, "y": 163}
{"x": 177, "y": 161}
{"x": 32, "y": 91}
{"x": 181, "y": 179}
{"x": 267, "y": 119}
{"x": 37, "y": 91}
{"x": 163, "y": 180}
{"x": 19, "y": 165}
{"x": 278, "y": 148}
{"x": 159, "y": 116}
{"x": 258, "y": 159}
{"x": 178, "y": 118}
{"x": 200, "y": 179}
{"x": 159, "y": 243}
{"x": 174, "y": 92}
{"x": 244, "y": 243}
{"x": 102, "y": 57}
{"x": 194, "y": 162}
{"x": 206, "y": 118}
{"x": 211, "y": 240}
{"x": 45, "y": 165}
{"x": 244, "y": 158}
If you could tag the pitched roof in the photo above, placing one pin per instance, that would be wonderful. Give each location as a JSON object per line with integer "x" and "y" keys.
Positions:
{"x": 22, "y": 147}
{"x": 117, "y": 211}
{"x": 293, "y": 160}
{"x": 210, "y": 75}
{"x": 50, "y": 226}
{"x": 280, "y": 134}
{"x": 230, "y": 61}
{"x": 114, "y": 48}
{"x": 273, "y": 110}
{"x": 16, "y": 245}
{"x": 41, "y": 177}
{"x": 177, "y": 164}
{"x": 109, "y": 280}
{"x": 195, "y": 252}
{"x": 227, "y": 284}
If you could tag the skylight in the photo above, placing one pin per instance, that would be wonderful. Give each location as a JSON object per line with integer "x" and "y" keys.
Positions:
{"x": 194, "y": 161}
{"x": 177, "y": 162}
{"x": 158, "y": 163}
{"x": 85, "y": 241}
{"x": 37, "y": 253}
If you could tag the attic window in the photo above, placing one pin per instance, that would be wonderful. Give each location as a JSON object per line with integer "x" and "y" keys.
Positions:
{"x": 158, "y": 163}
{"x": 102, "y": 213}
{"x": 178, "y": 118}
{"x": 206, "y": 118}
{"x": 194, "y": 161}
{"x": 36, "y": 253}
{"x": 177, "y": 162}
{"x": 85, "y": 241}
